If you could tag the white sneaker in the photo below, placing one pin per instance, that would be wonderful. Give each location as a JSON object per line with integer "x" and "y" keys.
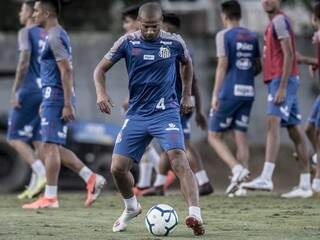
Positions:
{"x": 122, "y": 222}
{"x": 298, "y": 192}
{"x": 241, "y": 192}
{"x": 258, "y": 184}
{"x": 236, "y": 180}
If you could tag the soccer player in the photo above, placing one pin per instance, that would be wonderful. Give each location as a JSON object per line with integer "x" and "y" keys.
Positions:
{"x": 281, "y": 74}
{"x": 233, "y": 94}
{"x": 313, "y": 125}
{"x": 150, "y": 56}
{"x": 26, "y": 97}
{"x": 172, "y": 23}
{"x": 141, "y": 172}
{"x": 57, "y": 108}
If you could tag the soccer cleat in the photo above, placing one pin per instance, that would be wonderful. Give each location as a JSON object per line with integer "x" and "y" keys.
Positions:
{"x": 153, "y": 191}
{"x": 298, "y": 192}
{"x": 95, "y": 186}
{"x": 42, "y": 202}
{"x": 258, "y": 184}
{"x": 196, "y": 225}
{"x": 24, "y": 194}
{"x": 171, "y": 177}
{"x": 123, "y": 221}
{"x": 39, "y": 186}
{"x": 205, "y": 189}
{"x": 236, "y": 180}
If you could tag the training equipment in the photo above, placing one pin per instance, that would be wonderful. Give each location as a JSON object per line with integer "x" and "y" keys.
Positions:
{"x": 161, "y": 220}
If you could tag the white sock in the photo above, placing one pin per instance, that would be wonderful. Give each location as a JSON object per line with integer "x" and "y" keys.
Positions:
{"x": 145, "y": 174}
{"x": 236, "y": 169}
{"x": 154, "y": 157}
{"x": 195, "y": 211}
{"x": 85, "y": 173}
{"x": 202, "y": 177}
{"x": 316, "y": 184}
{"x": 131, "y": 204}
{"x": 51, "y": 191}
{"x": 267, "y": 171}
{"x": 38, "y": 167}
{"x": 305, "y": 180}
{"x": 33, "y": 181}
{"x": 160, "y": 180}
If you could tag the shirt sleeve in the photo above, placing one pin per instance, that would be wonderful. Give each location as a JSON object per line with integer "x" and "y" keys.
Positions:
{"x": 117, "y": 51}
{"x": 23, "y": 40}
{"x": 220, "y": 44}
{"x": 281, "y": 27}
{"x": 184, "y": 54}
{"x": 58, "y": 47}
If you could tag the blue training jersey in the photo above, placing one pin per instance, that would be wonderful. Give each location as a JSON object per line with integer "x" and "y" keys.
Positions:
{"x": 152, "y": 70}
{"x": 57, "y": 47}
{"x": 31, "y": 39}
{"x": 241, "y": 47}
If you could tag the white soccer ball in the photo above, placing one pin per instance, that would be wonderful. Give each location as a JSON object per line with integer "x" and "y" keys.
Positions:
{"x": 161, "y": 220}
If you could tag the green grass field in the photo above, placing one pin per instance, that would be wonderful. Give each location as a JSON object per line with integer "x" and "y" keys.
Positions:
{"x": 261, "y": 216}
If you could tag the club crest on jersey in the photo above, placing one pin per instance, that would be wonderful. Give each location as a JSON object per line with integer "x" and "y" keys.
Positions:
{"x": 164, "y": 52}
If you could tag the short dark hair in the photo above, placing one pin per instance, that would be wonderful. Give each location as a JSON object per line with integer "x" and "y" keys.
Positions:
{"x": 231, "y": 9}
{"x": 29, "y": 3}
{"x": 131, "y": 11}
{"x": 55, "y": 4}
{"x": 172, "y": 19}
{"x": 316, "y": 10}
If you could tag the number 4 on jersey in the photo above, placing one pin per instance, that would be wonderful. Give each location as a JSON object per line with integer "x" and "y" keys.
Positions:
{"x": 161, "y": 105}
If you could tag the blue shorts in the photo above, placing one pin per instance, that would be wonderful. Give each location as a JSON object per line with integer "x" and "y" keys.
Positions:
{"x": 53, "y": 128}
{"x": 231, "y": 114}
{"x": 288, "y": 111}
{"x": 24, "y": 122}
{"x": 185, "y": 123}
{"x": 137, "y": 133}
{"x": 314, "y": 117}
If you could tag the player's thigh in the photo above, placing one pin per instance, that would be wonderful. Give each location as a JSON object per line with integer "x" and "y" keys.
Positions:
{"x": 53, "y": 128}
{"x": 132, "y": 139}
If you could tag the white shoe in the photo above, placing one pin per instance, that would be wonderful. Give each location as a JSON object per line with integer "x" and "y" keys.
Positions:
{"x": 236, "y": 180}
{"x": 122, "y": 222}
{"x": 298, "y": 192}
{"x": 258, "y": 184}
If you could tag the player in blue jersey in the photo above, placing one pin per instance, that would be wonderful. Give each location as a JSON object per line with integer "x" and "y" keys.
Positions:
{"x": 57, "y": 108}
{"x": 171, "y": 23}
{"x": 233, "y": 94}
{"x": 24, "y": 120}
{"x": 150, "y": 56}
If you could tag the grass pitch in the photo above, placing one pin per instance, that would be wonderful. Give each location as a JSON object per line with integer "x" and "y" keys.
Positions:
{"x": 260, "y": 216}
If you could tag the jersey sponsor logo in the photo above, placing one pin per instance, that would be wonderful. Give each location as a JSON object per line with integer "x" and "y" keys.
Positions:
{"x": 244, "y": 54}
{"x": 136, "y": 51}
{"x": 63, "y": 133}
{"x": 244, "y": 64}
{"x": 164, "y": 52}
{"x": 135, "y": 42}
{"x": 47, "y": 92}
{"x": 244, "y": 46}
{"x": 148, "y": 57}
{"x": 26, "y": 132}
{"x": 243, "y": 90}
{"x": 166, "y": 42}
{"x": 172, "y": 127}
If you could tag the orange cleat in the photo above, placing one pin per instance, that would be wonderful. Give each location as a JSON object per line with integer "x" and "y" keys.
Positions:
{"x": 95, "y": 186}
{"x": 171, "y": 177}
{"x": 42, "y": 202}
{"x": 196, "y": 225}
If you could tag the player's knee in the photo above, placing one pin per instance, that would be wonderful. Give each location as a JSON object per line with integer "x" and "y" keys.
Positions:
{"x": 178, "y": 161}
{"x": 310, "y": 130}
{"x": 118, "y": 167}
{"x": 214, "y": 136}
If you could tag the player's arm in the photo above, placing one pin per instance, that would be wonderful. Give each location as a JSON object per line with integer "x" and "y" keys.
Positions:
{"x": 306, "y": 60}
{"x": 186, "y": 75}
{"x": 200, "y": 118}
{"x": 104, "y": 102}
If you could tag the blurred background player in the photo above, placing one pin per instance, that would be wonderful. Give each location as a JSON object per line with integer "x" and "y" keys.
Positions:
{"x": 26, "y": 97}
{"x": 172, "y": 23}
{"x": 313, "y": 125}
{"x": 57, "y": 108}
{"x": 153, "y": 109}
{"x": 233, "y": 94}
{"x": 281, "y": 74}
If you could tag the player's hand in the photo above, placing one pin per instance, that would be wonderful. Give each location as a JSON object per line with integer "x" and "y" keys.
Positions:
{"x": 312, "y": 71}
{"x": 280, "y": 96}
{"x": 68, "y": 113}
{"x": 125, "y": 105}
{"x": 15, "y": 101}
{"x": 105, "y": 104}
{"x": 187, "y": 104}
{"x": 201, "y": 121}
{"x": 214, "y": 103}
